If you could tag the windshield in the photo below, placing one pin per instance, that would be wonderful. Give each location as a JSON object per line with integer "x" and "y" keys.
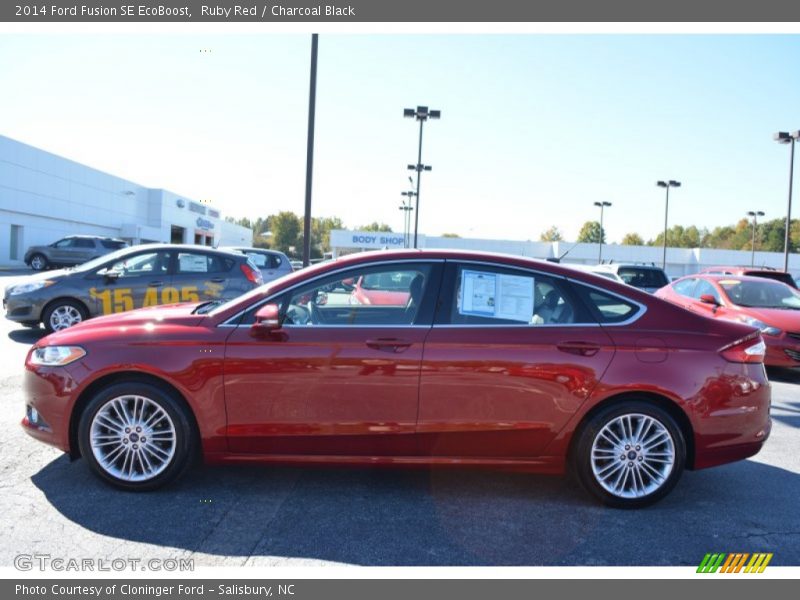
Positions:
{"x": 761, "y": 294}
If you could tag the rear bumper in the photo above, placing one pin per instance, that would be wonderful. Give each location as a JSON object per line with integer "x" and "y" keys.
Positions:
{"x": 732, "y": 420}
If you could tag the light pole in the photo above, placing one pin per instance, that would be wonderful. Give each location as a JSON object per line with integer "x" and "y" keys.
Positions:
{"x": 407, "y": 208}
{"x": 666, "y": 184}
{"x": 755, "y": 214}
{"x": 784, "y": 137}
{"x": 602, "y": 206}
{"x": 312, "y": 111}
{"x": 421, "y": 114}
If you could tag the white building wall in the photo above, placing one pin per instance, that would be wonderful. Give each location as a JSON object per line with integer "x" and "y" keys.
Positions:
{"x": 50, "y": 197}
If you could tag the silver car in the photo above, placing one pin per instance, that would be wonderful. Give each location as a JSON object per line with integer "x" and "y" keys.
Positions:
{"x": 271, "y": 263}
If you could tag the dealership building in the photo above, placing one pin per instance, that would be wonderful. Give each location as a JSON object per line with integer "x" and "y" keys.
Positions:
{"x": 44, "y": 197}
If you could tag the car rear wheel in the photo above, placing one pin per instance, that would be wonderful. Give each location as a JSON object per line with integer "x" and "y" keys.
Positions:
{"x": 38, "y": 262}
{"x": 62, "y": 314}
{"x": 136, "y": 436}
{"x": 630, "y": 455}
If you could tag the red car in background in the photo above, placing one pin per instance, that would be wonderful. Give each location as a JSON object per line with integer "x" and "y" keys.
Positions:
{"x": 480, "y": 360}
{"x": 771, "y": 306}
{"x": 766, "y": 273}
{"x": 383, "y": 288}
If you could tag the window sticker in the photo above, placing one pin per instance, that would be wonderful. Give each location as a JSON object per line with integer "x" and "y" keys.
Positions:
{"x": 495, "y": 295}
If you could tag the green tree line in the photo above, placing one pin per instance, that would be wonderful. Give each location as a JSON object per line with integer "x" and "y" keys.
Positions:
{"x": 739, "y": 236}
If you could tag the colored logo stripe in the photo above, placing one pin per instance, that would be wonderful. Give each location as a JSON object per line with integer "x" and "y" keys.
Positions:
{"x": 733, "y": 562}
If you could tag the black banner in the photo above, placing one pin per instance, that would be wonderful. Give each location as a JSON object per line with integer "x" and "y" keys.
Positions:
{"x": 358, "y": 11}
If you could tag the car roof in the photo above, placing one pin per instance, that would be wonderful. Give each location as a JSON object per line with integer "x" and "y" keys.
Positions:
{"x": 192, "y": 247}
{"x": 726, "y": 276}
{"x": 252, "y": 249}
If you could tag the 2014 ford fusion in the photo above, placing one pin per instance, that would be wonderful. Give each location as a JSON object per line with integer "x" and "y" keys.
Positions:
{"x": 485, "y": 360}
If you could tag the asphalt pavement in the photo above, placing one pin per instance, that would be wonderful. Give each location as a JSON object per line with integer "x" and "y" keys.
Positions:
{"x": 269, "y": 516}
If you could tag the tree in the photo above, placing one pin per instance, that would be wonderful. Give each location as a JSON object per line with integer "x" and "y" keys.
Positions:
{"x": 450, "y": 235}
{"x": 286, "y": 228}
{"x": 632, "y": 239}
{"x": 592, "y": 233}
{"x": 375, "y": 226}
{"x": 553, "y": 234}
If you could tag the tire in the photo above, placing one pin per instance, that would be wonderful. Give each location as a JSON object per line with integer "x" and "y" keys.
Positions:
{"x": 608, "y": 464}
{"x": 39, "y": 262}
{"x": 142, "y": 456}
{"x": 64, "y": 313}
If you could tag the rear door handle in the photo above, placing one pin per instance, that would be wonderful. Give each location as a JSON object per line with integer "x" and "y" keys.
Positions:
{"x": 388, "y": 344}
{"x": 579, "y": 348}
{"x": 218, "y": 280}
{"x": 155, "y": 284}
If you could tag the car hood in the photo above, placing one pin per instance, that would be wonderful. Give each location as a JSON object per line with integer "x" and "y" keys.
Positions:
{"x": 785, "y": 319}
{"x": 54, "y": 275}
{"x": 128, "y": 323}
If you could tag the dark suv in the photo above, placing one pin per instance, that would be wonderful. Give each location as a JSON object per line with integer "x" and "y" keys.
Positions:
{"x": 70, "y": 251}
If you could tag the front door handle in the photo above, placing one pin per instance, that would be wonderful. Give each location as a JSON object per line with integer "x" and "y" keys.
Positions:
{"x": 388, "y": 344}
{"x": 579, "y": 348}
{"x": 155, "y": 284}
{"x": 218, "y": 280}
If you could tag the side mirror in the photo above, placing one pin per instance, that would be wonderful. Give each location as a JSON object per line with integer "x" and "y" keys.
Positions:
{"x": 108, "y": 273}
{"x": 708, "y": 299}
{"x": 268, "y": 320}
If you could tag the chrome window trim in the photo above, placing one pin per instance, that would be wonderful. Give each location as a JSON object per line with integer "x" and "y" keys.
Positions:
{"x": 227, "y": 322}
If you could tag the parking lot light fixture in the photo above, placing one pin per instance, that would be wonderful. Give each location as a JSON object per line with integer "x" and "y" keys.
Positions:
{"x": 755, "y": 214}
{"x": 407, "y": 208}
{"x": 784, "y": 137}
{"x": 421, "y": 114}
{"x": 602, "y": 206}
{"x": 666, "y": 185}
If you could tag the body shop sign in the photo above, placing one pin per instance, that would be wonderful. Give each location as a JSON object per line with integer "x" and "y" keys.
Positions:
{"x": 366, "y": 239}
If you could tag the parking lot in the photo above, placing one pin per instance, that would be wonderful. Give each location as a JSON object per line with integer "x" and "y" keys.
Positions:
{"x": 362, "y": 516}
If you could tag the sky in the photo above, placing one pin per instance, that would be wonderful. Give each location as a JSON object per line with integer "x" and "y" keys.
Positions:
{"x": 534, "y": 129}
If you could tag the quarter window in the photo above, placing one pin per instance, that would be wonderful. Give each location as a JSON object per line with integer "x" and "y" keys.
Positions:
{"x": 608, "y": 308}
{"x": 702, "y": 288}
{"x": 684, "y": 287}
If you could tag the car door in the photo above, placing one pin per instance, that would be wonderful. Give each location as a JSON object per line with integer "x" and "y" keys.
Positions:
{"x": 200, "y": 276}
{"x": 63, "y": 252}
{"x": 339, "y": 378}
{"x": 512, "y": 355}
{"x": 138, "y": 280}
{"x": 84, "y": 249}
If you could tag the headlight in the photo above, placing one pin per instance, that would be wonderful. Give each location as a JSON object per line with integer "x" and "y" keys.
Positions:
{"x": 56, "y": 356}
{"x": 25, "y": 288}
{"x": 768, "y": 329}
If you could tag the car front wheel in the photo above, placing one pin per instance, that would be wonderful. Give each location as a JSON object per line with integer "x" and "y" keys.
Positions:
{"x": 62, "y": 314}
{"x": 136, "y": 436}
{"x": 630, "y": 455}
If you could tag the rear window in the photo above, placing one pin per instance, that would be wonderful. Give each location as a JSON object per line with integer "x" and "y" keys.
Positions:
{"x": 113, "y": 244}
{"x": 643, "y": 277}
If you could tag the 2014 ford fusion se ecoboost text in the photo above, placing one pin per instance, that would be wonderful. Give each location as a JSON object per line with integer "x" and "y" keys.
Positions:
{"x": 469, "y": 360}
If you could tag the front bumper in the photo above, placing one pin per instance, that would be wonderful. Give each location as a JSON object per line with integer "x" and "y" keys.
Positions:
{"x": 23, "y": 307}
{"x": 48, "y": 391}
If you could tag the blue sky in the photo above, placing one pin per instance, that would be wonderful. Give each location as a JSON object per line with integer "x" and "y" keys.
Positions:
{"x": 534, "y": 128}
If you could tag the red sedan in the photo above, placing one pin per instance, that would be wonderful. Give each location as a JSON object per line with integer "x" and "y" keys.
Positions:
{"x": 769, "y": 305}
{"x": 487, "y": 360}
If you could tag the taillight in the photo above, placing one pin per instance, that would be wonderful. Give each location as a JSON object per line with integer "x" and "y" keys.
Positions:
{"x": 253, "y": 275}
{"x": 750, "y": 349}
